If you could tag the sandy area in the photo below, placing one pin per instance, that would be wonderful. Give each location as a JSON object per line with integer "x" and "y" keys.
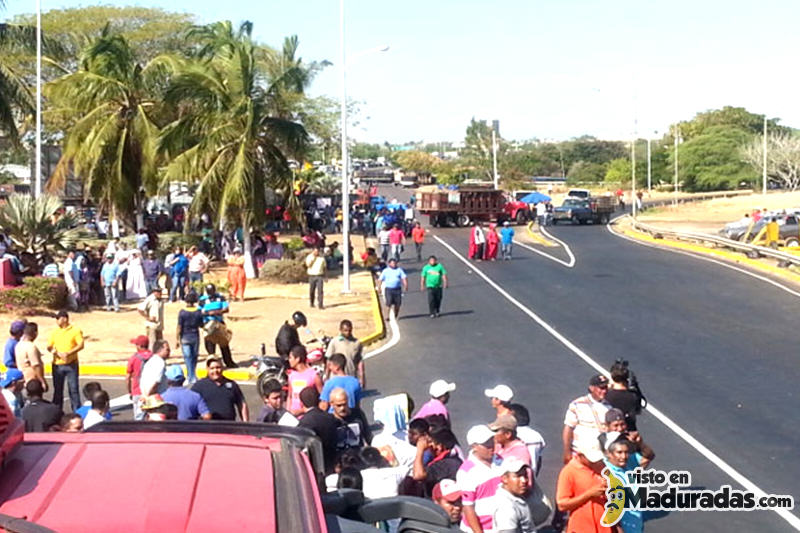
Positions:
{"x": 253, "y": 321}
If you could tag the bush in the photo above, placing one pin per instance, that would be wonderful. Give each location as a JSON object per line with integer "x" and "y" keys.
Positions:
{"x": 168, "y": 241}
{"x": 36, "y": 292}
{"x": 199, "y": 286}
{"x": 284, "y": 271}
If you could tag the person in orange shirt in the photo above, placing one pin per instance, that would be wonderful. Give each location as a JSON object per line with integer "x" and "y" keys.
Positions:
{"x": 581, "y": 490}
{"x": 236, "y": 276}
{"x": 418, "y": 236}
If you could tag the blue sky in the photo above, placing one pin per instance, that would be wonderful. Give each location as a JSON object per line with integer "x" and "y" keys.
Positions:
{"x": 550, "y": 69}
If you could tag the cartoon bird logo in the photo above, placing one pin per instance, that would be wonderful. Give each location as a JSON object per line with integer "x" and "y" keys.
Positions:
{"x": 615, "y": 504}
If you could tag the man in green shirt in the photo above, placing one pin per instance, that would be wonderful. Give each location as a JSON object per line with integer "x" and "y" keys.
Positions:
{"x": 434, "y": 279}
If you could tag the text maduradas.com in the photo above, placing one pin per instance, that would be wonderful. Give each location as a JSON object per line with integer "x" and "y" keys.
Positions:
{"x": 645, "y": 497}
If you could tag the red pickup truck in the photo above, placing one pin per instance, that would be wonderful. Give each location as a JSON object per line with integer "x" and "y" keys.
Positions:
{"x": 171, "y": 476}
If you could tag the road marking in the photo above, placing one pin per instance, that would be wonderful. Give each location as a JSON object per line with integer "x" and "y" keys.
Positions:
{"x": 717, "y": 461}
{"x": 708, "y": 259}
{"x": 568, "y": 264}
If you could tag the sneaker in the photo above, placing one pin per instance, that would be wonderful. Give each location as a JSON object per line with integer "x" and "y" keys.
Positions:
{"x": 433, "y": 315}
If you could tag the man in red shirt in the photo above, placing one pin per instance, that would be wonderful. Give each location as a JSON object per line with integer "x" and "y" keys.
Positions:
{"x": 581, "y": 490}
{"x": 134, "y": 372}
{"x": 396, "y": 240}
{"x": 418, "y": 236}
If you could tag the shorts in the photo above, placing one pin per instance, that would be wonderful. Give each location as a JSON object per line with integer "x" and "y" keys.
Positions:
{"x": 394, "y": 297}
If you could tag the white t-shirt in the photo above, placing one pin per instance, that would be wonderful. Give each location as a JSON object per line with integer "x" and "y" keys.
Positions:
{"x": 383, "y": 236}
{"x": 198, "y": 262}
{"x": 534, "y": 441}
{"x": 541, "y": 209}
{"x": 13, "y": 403}
{"x": 587, "y": 417}
{"x": 480, "y": 238}
{"x": 92, "y": 418}
{"x": 154, "y": 373}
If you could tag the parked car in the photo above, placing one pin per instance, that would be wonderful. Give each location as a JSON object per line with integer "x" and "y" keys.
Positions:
{"x": 789, "y": 230}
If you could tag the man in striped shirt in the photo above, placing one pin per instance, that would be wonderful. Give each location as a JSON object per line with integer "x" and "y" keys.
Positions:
{"x": 585, "y": 418}
{"x": 478, "y": 482}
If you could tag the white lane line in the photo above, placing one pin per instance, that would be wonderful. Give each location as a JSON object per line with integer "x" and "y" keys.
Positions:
{"x": 562, "y": 243}
{"x": 708, "y": 259}
{"x": 717, "y": 461}
{"x": 569, "y": 264}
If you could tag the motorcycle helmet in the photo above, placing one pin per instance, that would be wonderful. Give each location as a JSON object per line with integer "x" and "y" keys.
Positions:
{"x": 299, "y": 318}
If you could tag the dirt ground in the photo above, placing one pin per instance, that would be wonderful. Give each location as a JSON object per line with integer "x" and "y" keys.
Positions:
{"x": 253, "y": 321}
{"x": 710, "y": 216}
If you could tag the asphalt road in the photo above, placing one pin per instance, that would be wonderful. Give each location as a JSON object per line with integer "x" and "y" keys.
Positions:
{"x": 713, "y": 349}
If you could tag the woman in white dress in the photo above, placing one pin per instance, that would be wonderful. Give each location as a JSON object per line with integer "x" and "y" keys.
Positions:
{"x": 136, "y": 287}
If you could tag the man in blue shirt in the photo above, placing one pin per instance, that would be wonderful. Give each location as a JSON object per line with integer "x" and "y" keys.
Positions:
{"x": 109, "y": 275}
{"x": 179, "y": 268}
{"x": 191, "y": 406}
{"x": 338, "y": 379}
{"x": 214, "y": 306}
{"x": 506, "y": 240}
{"x": 393, "y": 281}
{"x": 15, "y": 332}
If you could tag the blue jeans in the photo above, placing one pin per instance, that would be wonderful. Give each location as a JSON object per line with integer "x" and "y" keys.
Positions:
{"x": 195, "y": 276}
{"x": 190, "y": 352}
{"x": 70, "y": 374}
{"x": 505, "y": 249}
{"x": 112, "y": 298}
{"x": 178, "y": 283}
{"x": 151, "y": 284}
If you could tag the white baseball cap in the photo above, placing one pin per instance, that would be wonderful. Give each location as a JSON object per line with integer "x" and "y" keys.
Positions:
{"x": 440, "y": 387}
{"x": 501, "y": 392}
{"x": 512, "y": 464}
{"x": 479, "y": 434}
{"x": 590, "y": 448}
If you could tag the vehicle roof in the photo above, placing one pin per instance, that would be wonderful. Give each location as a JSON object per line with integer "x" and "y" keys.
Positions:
{"x": 142, "y": 482}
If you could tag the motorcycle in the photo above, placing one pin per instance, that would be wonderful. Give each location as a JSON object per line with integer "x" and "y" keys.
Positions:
{"x": 266, "y": 367}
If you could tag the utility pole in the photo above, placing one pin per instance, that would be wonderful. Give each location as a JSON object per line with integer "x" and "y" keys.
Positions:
{"x": 38, "y": 157}
{"x": 677, "y": 134}
{"x": 345, "y": 161}
{"x": 494, "y": 157}
{"x": 633, "y": 177}
{"x": 764, "y": 190}
{"x": 649, "y": 168}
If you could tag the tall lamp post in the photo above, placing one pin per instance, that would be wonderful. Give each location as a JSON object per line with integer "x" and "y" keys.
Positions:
{"x": 38, "y": 157}
{"x": 345, "y": 154}
{"x": 764, "y": 169}
{"x": 677, "y": 134}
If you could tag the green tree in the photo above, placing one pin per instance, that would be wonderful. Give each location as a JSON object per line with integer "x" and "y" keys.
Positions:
{"x": 16, "y": 100}
{"x": 585, "y": 172}
{"x": 733, "y": 117}
{"x": 111, "y": 140}
{"x": 233, "y": 138}
{"x": 33, "y": 226}
{"x": 416, "y": 161}
{"x": 477, "y": 153}
{"x": 619, "y": 171}
{"x": 713, "y": 160}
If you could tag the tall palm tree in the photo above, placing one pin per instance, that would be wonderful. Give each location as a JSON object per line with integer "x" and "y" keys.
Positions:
{"x": 111, "y": 143}
{"x": 16, "y": 100}
{"x": 230, "y": 140}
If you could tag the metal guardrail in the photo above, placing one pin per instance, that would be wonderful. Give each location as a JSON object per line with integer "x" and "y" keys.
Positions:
{"x": 751, "y": 250}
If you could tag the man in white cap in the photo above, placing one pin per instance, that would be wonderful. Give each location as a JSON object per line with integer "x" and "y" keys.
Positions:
{"x": 506, "y": 240}
{"x": 512, "y": 514}
{"x": 440, "y": 394}
{"x": 447, "y": 496}
{"x": 585, "y": 418}
{"x": 477, "y": 481}
{"x": 581, "y": 488}
{"x": 500, "y": 396}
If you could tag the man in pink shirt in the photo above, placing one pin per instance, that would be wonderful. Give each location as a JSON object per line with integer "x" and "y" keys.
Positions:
{"x": 396, "y": 240}
{"x": 440, "y": 394}
{"x": 478, "y": 482}
{"x": 506, "y": 443}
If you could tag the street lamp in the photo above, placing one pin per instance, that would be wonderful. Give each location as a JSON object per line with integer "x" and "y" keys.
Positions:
{"x": 345, "y": 155}
{"x": 38, "y": 157}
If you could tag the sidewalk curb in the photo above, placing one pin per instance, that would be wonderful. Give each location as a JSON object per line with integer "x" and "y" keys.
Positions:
{"x": 729, "y": 256}
{"x": 538, "y": 238}
{"x": 377, "y": 316}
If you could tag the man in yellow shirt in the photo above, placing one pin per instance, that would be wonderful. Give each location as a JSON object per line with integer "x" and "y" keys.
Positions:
{"x": 64, "y": 343}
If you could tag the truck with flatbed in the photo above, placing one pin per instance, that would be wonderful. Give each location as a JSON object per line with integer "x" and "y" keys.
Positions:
{"x": 597, "y": 209}
{"x": 460, "y": 206}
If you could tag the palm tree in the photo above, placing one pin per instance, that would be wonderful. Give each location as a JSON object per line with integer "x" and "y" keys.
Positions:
{"x": 16, "y": 100}
{"x": 111, "y": 142}
{"x": 34, "y": 224}
{"x": 234, "y": 136}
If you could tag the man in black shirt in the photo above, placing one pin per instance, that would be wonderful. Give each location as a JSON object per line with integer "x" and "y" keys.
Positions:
{"x": 38, "y": 413}
{"x": 621, "y": 397}
{"x": 223, "y": 396}
{"x": 323, "y": 424}
{"x": 445, "y": 462}
{"x": 288, "y": 337}
{"x": 354, "y": 431}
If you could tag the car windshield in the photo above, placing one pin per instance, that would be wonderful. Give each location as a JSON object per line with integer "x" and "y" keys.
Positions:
{"x": 572, "y": 202}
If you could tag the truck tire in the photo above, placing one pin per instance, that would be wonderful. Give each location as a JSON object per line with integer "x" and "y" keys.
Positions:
{"x": 521, "y": 218}
{"x": 433, "y": 220}
{"x": 604, "y": 218}
{"x": 792, "y": 242}
{"x": 575, "y": 220}
{"x": 462, "y": 221}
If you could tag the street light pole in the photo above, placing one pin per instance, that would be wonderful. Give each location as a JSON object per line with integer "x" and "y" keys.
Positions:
{"x": 633, "y": 176}
{"x": 677, "y": 134}
{"x": 38, "y": 157}
{"x": 764, "y": 190}
{"x": 345, "y": 161}
{"x": 649, "y": 168}
{"x": 494, "y": 157}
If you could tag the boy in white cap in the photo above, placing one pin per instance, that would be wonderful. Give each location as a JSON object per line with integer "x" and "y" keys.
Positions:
{"x": 477, "y": 481}
{"x": 512, "y": 514}
{"x": 440, "y": 394}
{"x": 500, "y": 396}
